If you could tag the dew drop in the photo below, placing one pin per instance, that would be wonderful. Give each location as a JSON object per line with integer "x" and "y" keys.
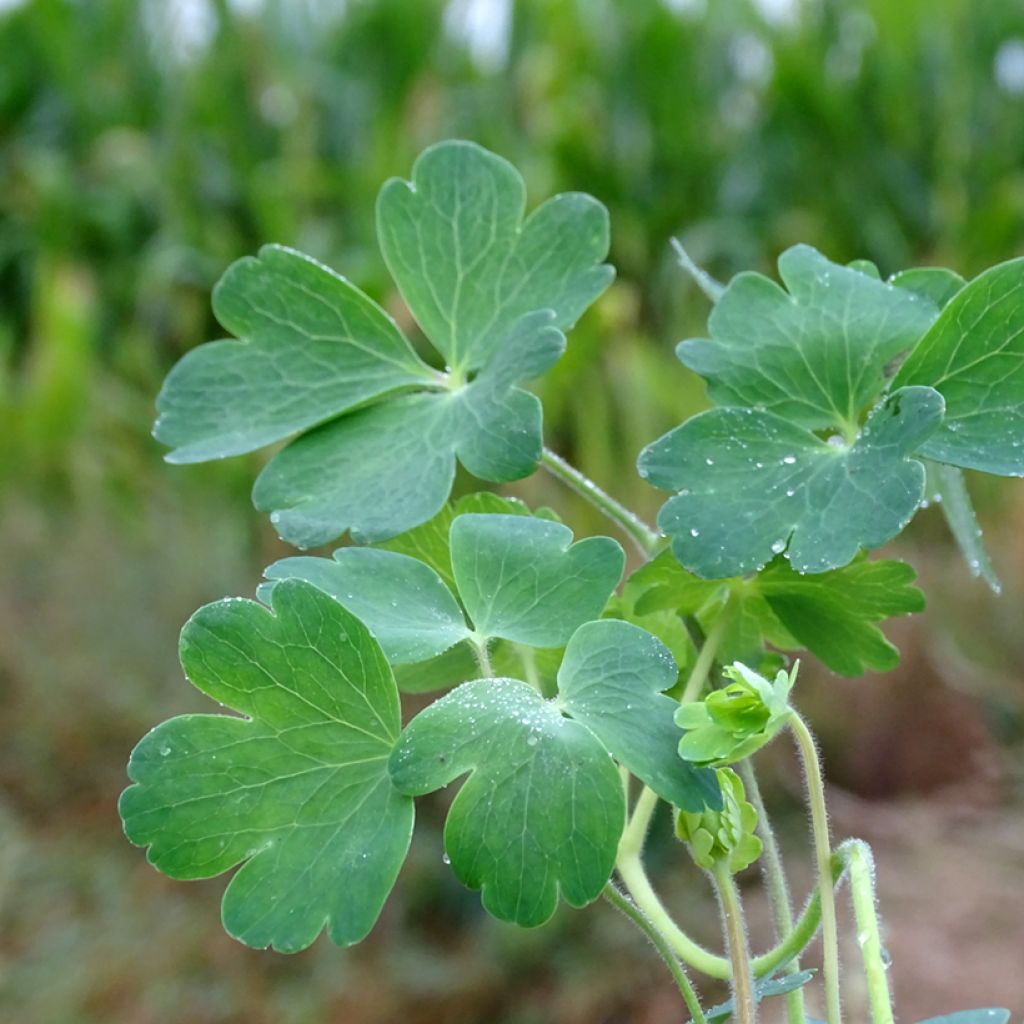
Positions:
{"x": 789, "y": 460}
{"x": 445, "y": 859}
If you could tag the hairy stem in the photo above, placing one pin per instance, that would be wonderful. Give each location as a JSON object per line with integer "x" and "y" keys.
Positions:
{"x": 637, "y": 916}
{"x": 647, "y": 541}
{"x": 865, "y": 910}
{"x": 775, "y": 883}
{"x": 483, "y": 657}
{"x": 823, "y": 856}
{"x": 705, "y": 282}
{"x": 739, "y": 948}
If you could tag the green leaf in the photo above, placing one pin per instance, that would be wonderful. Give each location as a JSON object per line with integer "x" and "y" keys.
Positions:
{"x": 935, "y": 283}
{"x": 298, "y": 789}
{"x": 974, "y": 356}
{"x": 493, "y": 292}
{"x": 815, "y": 356}
{"x": 752, "y": 485}
{"x": 949, "y": 488}
{"x": 833, "y": 614}
{"x": 405, "y": 604}
{"x": 468, "y": 265}
{"x": 456, "y": 665}
{"x": 523, "y": 579}
{"x": 986, "y": 1016}
{"x": 611, "y": 680}
{"x": 763, "y": 989}
{"x": 311, "y": 346}
{"x": 542, "y": 810}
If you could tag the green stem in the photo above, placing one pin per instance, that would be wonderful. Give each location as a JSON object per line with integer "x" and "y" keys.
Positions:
{"x": 483, "y": 657}
{"x": 706, "y": 656}
{"x": 775, "y": 883}
{"x": 823, "y": 856}
{"x": 862, "y": 892}
{"x": 704, "y": 281}
{"x": 646, "y": 540}
{"x": 637, "y": 916}
{"x": 739, "y": 948}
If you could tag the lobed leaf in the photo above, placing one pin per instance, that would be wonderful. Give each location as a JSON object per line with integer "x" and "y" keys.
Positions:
{"x": 298, "y": 790}
{"x": 974, "y": 357}
{"x": 523, "y": 579}
{"x": 611, "y": 679}
{"x": 542, "y": 810}
{"x": 311, "y": 346}
{"x": 814, "y": 355}
{"x": 469, "y": 266}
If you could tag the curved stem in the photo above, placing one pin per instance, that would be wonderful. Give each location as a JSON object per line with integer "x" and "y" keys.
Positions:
{"x": 823, "y": 855}
{"x": 865, "y": 910}
{"x": 739, "y": 948}
{"x": 646, "y": 540}
{"x": 775, "y": 883}
{"x": 630, "y": 910}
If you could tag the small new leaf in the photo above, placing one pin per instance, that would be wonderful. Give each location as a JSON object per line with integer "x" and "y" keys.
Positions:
{"x": 752, "y": 485}
{"x": 542, "y": 810}
{"x": 298, "y": 789}
{"x": 736, "y": 721}
{"x": 611, "y": 680}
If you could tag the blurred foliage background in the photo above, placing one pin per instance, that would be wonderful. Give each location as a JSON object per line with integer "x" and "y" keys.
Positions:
{"x": 144, "y": 145}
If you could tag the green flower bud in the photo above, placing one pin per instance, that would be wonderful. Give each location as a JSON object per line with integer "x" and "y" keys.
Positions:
{"x": 726, "y": 835}
{"x": 734, "y": 722}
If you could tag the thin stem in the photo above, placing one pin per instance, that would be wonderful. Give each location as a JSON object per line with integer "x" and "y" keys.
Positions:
{"x": 630, "y": 910}
{"x": 739, "y": 948}
{"x": 483, "y": 657}
{"x": 823, "y": 856}
{"x": 706, "y": 656}
{"x": 775, "y": 883}
{"x": 646, "y": 540}
{"x": 865, "y": 910}
{"x": 705, "y": 282}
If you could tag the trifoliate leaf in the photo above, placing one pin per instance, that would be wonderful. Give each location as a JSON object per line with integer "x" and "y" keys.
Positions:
{"x": 948, "y": 487}
{"x": 492, "y": 292}
{"x": 974, "y": 356}
{"x": 831, "y": 614}
{"x": 542, "y": 810}
{"x": 726, "y": 835}
{"x": 311, "y": 346}
{"x": 752, "y": 485}
{"x": 523, "y": 579}
{"x": 611, "y": 680}
{"x": 519, "y": 579}
{"x": 298, "y": 789}
{"x": 736, "y": 721}
{"x": 814, "y": 355}
{"x": 467, "y": 263}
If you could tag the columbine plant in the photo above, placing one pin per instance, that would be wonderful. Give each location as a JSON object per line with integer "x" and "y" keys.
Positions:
{"x": 573, "y": 705}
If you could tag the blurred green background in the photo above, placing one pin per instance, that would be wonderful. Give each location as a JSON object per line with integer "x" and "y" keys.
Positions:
{"x": 145, "y": 145}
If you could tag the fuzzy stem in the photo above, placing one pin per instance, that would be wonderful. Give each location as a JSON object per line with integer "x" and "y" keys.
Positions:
{"x": 823, "y": 855}
{"x": 775, "y": 883}
{"x": 646, "y": 540}
{"x": 637, "y": 916}
{"x": 705, "y": 282}
{"x": 706, "y": 656}
{"x": 862, "y": 892}
{"x": 739, "y": 948}
{"x": 483, "y": 657}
